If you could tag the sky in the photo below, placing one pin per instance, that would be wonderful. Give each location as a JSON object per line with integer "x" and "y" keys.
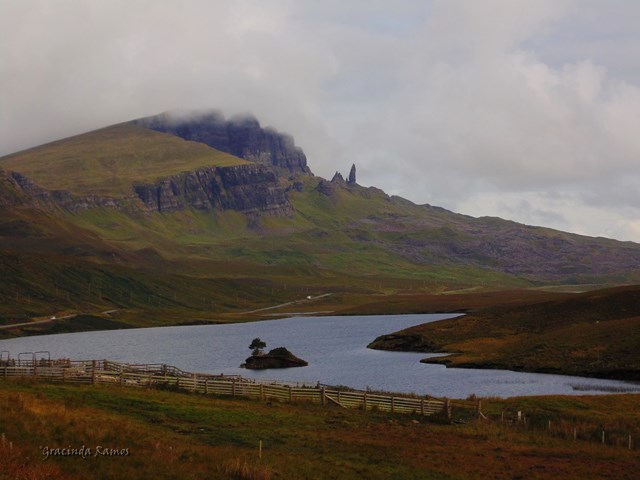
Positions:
{"x": 524, "y": 109}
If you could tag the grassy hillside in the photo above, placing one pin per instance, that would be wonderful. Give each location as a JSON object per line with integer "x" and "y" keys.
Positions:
{"x": 345, "y": 234}
{"x": 177, "y": 435}
{"x": 109, "y": 161}
{"x": 353, "y": 242}
{"x": 35, "y": 287}
{"x": 370, "y": 251}
{"x": 591, "y": 334}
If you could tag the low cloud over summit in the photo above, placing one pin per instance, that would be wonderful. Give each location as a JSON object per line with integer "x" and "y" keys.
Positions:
{"x": 527, "y": 109}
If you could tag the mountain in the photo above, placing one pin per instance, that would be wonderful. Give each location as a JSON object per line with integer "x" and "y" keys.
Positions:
{"x": 241, "y": 136}
{"x": 199, "y": 217}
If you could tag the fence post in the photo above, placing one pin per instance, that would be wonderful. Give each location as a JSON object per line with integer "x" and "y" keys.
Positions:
{"x": 261, "y": 392}
{"x": 93, "y": 372}
{"x": 629, "y": 441}
{"x": 121, "y": 379}
{"x": 447, "y": 408}
{"x": 290, "y": 393}
{"x": 364, "y": 401}
{"x": 422, "y": 406}
{"x": 393, "y": 404}
{"x": 323, "y": 399}
{"x": 603, "y": 436}
{"x": 206, "y": 386}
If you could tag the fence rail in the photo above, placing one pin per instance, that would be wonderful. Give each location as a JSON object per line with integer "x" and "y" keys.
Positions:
{"x": 160, "y": 375}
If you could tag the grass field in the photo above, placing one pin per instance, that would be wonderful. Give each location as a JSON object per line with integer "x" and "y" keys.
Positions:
{"x": 164, "y": 434}
{"x": 110, "y": 160}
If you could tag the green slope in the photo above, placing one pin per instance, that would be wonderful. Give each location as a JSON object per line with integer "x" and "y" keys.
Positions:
{"x": 109, "y": 161}
{"x": 199, "y": 264}
{"x": 345, "y": 234}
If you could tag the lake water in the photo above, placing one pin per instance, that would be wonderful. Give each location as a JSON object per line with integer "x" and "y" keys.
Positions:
{"x": 335, "y": 348}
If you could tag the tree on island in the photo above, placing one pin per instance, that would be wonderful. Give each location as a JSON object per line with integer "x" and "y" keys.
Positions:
{"x": 257, "y": 345}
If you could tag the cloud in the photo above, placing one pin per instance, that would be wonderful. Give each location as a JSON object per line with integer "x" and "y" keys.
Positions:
{"x": 80, "y": 64}
{"x": 477, "y": 115}
{"x": 456, "y": 104}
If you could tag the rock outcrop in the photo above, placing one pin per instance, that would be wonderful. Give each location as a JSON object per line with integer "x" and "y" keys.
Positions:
{"x": 241, "y": 136}
{"x": 249, "y": 189}
{"x": 351, "y": 180}
{"x": 338, "y": 179}
{"x": 327, "y": 188}
{"x": 277, "y": 358}
{"x": 24, "y": 191}
{"x": 10, "y": 192}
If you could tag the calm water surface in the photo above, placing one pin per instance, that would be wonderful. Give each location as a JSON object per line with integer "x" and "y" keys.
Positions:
{"x": 335, "y": 348}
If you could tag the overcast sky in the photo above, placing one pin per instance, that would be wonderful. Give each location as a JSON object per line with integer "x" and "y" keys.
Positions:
{"x": 524, "y": 109}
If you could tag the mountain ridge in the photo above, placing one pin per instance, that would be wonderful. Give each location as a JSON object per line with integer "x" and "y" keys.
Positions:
{"x": 126, "y": 189}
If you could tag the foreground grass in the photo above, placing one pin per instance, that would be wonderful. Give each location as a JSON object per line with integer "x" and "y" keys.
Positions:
{"x": 179, "y": 435}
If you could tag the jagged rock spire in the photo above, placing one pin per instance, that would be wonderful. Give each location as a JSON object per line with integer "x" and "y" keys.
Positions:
{"x": 337, "y": 178}
{"x": 352, "y": 175}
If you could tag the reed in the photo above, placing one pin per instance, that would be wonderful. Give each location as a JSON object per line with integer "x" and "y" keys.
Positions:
{"x": 246, "y": 470}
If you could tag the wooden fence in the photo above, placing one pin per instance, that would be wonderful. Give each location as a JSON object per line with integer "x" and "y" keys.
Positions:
{"x": 166, "y": 376}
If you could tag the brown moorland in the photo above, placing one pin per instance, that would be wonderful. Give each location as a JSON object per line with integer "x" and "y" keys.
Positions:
{"x": 169, "y": 434}
{"x": 595, "y": 334}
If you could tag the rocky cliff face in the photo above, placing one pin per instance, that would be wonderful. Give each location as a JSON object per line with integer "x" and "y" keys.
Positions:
{"x": 239, "y": 136}
{"x": 10, "y": 194}
{"x": 24, "y": 191}
{"x": 249, "y": 189}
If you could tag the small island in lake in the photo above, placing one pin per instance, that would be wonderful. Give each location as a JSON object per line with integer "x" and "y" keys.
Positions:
{"x": 277, "y": 358}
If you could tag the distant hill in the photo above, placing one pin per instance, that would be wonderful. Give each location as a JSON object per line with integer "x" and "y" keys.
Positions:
{"x": 591, "y": 334}
{"x": 152, "y": 213}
